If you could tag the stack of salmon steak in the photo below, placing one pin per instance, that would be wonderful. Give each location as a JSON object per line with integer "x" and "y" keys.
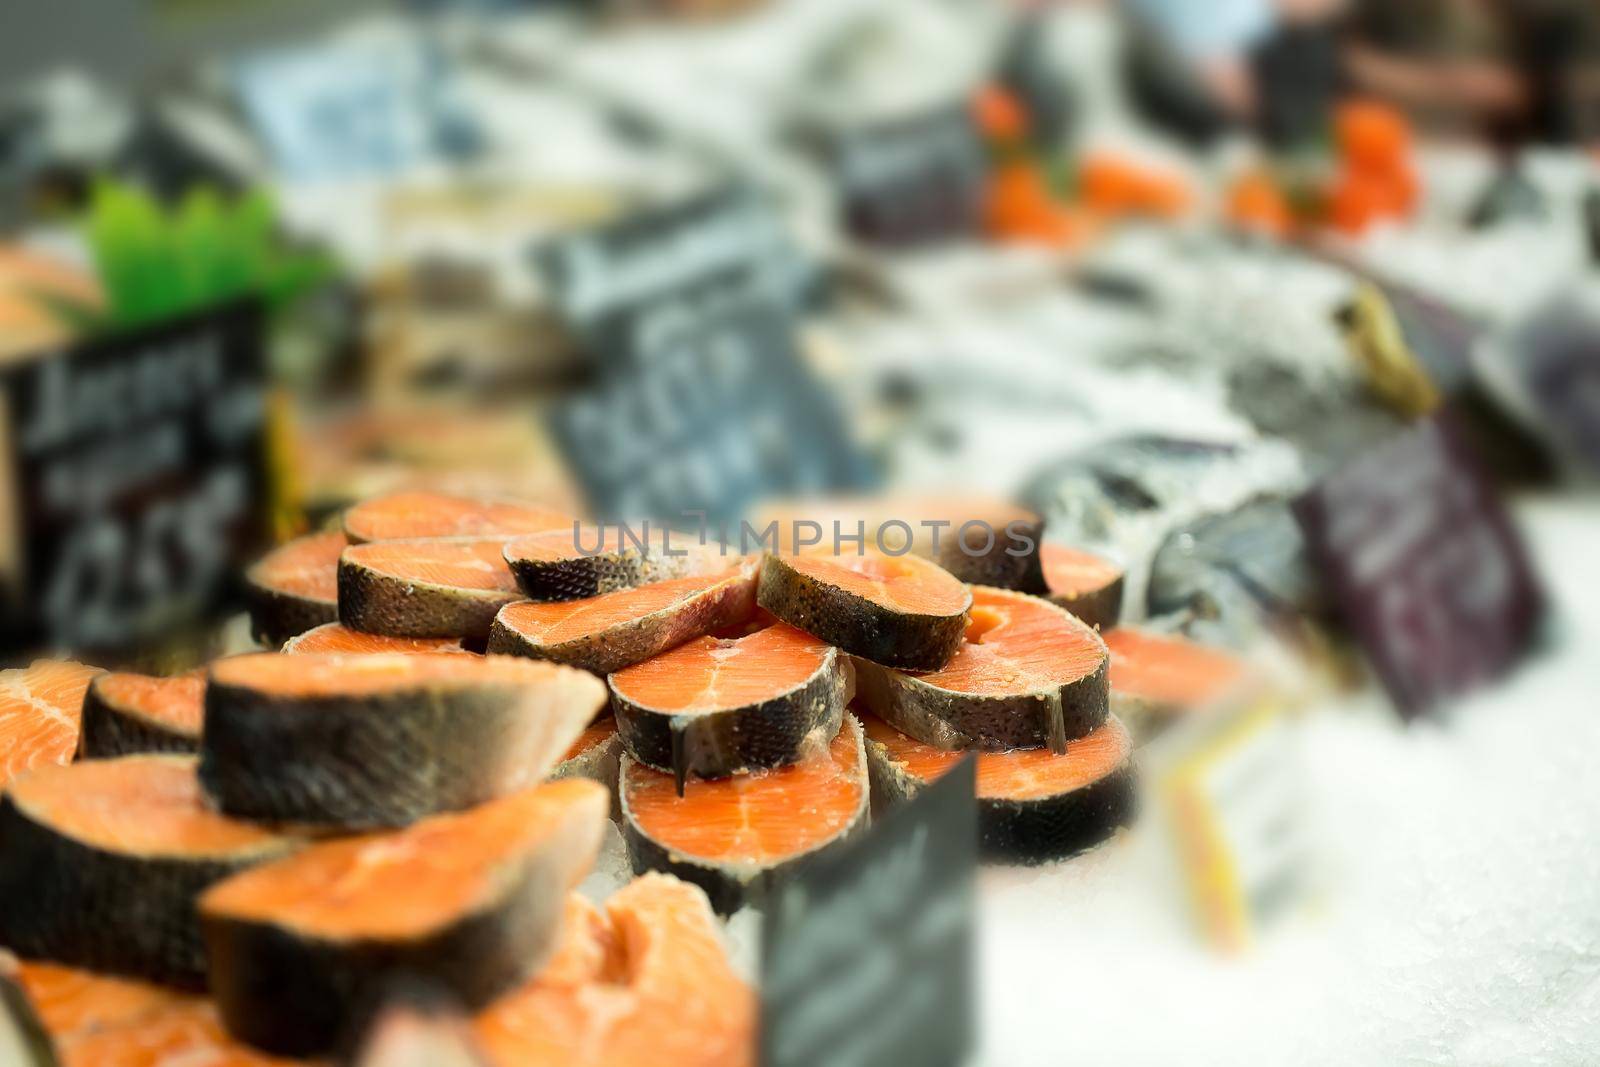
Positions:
{"x": 255, "y": 863}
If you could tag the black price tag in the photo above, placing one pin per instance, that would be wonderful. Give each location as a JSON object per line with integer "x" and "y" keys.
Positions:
{"x": 867, "y": 951}
{"x": 623, "y": 287}
{"x": 723, "y": 414}
{"x": 1425, "y": 565}
{"x": 138, "y": 469}
{"x": 913, "y": 181}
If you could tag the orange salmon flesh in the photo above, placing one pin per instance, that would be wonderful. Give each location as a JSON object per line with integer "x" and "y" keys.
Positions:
{"x": 1018, "y": 643}
{"x": 423, "y": 514}
{"x": 561, "y": 621}
{"x": 149, "y": 805}
{"x": 907, "y": 584}
{"x": 307, "y": 567}
{"x": 471, "y": 564}
{"x": 1026, "y": 774}
{"x": 337, "y": 639}
{"x": 710, "y": 673}
{"x": 40, "y": 709}
{"x": 414, "y": 881}
{"x": 759, "y": 818}
{"x": 335, "y": 675}
{"x": 175, "y": 703}
{"x": 1071, "y": 572}
{"x": 646, "y": 981}
{"x": 1169, "y": 670}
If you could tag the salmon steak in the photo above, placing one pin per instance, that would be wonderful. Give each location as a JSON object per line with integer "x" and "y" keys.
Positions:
{"x": 717, "y": 706}
{"x": 295, "y": 587}
{"x": 578, "y": 562}
{"x": 41, "y": 709}
{"x": 413, "y": 514}
{"x": 24, "y": 1040}
{"x": 1027, "y": 675}
{"x": 469, "y": 902}
{"x": 607, "y": 633}
{"x": 900, "y": 611}
{"x": 104, "y": 860}
{"x": 359, "y": 742}
{"x": 338, "y": 639}
{"x": 646, "y": 981}
{"x": 95, "y": 1020}
{"x": 737, "y": 837}
{"x": 425, "y": 588}
{"x": 126, "y": 713}
{"x": 978, "y": 539}
{"x": 1158, "y": 678}
{"x": 1087, "y": 585}
{"x": 1033, "y": 806}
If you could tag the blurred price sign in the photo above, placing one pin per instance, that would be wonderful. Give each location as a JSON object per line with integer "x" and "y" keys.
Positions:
{"x": 626, "y": 288}
{"x": 1235, "y": 807}
{"x": 916, "y": 180}
{"x": 867, "y": 951}
{"x": 1424, "y": 564}
{"x": 136, "y": 464}
{"x": 723, "y": 414}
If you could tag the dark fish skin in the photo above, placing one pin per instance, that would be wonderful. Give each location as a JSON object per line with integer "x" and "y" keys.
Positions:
{"x": 378, "y": 603}
{"x": 383, "y": 760}
{"x": 728, "y": 886}
{"x": 581, "y": 575}
{"x": 996, "y": 567}
{"x": 857, "y": 625}
{"x": 293, "y": 994}
{"x": 1101, "y": 608}
{"x": 728, "y": 741}
{"x": 1026, "y": 832}
{"x": 109, "y": 731}
{"x": 128, "y": 915}
{"x": 957, "y": 721}
{"x": 715, "y": 608}
{"x": 276, "y": 616}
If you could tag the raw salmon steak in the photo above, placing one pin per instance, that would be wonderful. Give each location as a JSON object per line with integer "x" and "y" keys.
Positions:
{"x": 425, "y": 588}
{"x": 414, "y": 514}
{"x": 607, "y": 633}
{"x": 717, "y": 706}
{"x": 295, "y": 587}
{"x": 104, "y": 859}
{"x": 469, "y": 902}
{"x": 978, "y": 539}
{"x": 1087, "y": 585}
{"x": 127, "y": 713}
{"x": 337, "y": 638}
{"x": 360, "y": 742}
{"x": 41, "y": 707}
{"x": 1033, "y": 805}
{"x": 578, "y": 562}
{"x": 95, "y": 1020}
{"x": 594, "y": 755}
{"x": 900, "y": 611}
{"x": 735, "y": 837}
{"x": 419, "y": 1030}
{"x": 647, "y": 981}
{"x": 1027, "y": 674}
{"x": 1157, "y": 678}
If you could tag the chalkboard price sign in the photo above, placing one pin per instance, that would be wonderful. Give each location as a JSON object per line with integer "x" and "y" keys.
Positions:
{"x": 137, "y": 466}
{"x": 723, "y": 414}
{"x": 867, "y": 952}
{"x": 913, "y": 181}
{"x": 1424, "y": 564}
{"x": 620, "y": 287}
